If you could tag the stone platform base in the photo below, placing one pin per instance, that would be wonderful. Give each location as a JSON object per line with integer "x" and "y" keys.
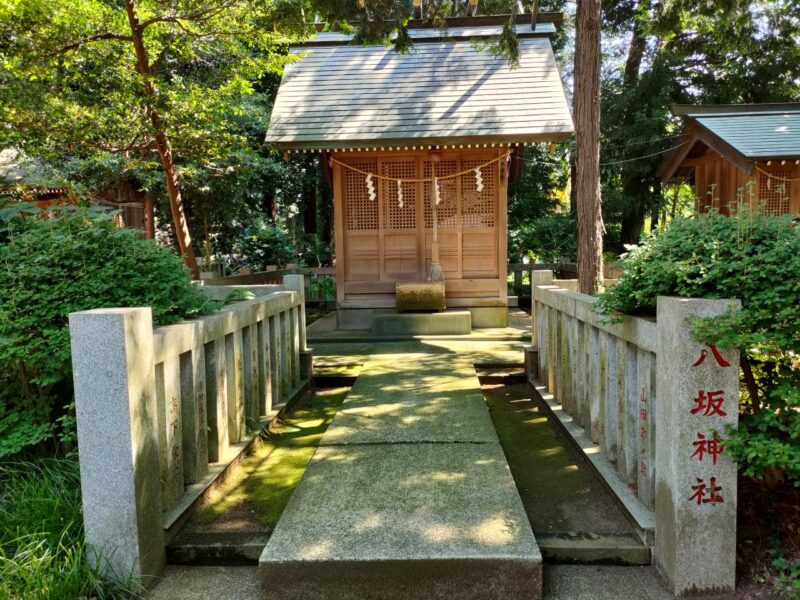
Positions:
{"x": 354, "y": 319}
{"x": 410, "y": 324}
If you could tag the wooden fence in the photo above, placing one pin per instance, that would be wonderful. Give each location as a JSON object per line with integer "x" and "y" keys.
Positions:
{"x": 319, "y": 282}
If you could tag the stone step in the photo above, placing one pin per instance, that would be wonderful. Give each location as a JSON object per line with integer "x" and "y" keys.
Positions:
{"x": 588, "y": 548}
{"x": 217, "y": 548}
{"x": 456, "y": 322}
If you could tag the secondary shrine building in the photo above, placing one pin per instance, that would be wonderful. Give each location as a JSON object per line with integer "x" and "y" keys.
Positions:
{"x": 739, "y": 155}
{"x": 419, "y": 148}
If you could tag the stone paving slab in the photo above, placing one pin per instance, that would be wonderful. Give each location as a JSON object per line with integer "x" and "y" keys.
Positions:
{"x": 408, "y": 418}
{"x": 404, "y": 521}
{"x": 441, "y": 401}
{"x": 561, "y": 582}
{"x": 409, "y": 494}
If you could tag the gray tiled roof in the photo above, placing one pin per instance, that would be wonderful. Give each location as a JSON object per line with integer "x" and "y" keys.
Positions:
{"x": 442, "y": 92}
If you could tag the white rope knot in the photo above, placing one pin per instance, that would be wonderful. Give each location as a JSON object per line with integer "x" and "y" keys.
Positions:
{"x": 436, "y": 192}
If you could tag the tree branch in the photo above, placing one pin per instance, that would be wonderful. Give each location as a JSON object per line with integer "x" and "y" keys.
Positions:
{"x": 93, "y": 38}
{"x": 200, "y": 15}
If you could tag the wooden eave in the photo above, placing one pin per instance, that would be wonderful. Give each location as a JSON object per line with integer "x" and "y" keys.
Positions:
{"x": 692, "y": 134}
{"x": 439, "y": 143}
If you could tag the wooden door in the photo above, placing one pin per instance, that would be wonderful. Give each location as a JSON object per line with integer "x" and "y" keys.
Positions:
{"x": 400, "y": 231}
{"x": 479, "y": 221}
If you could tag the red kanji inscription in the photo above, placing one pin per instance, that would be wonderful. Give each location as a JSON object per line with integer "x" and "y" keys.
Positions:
{"x": 710, "y": 403}
{"x": 704, "y": 446}
{"x": 717, "y": 356}
{"x": 705, "y": 494}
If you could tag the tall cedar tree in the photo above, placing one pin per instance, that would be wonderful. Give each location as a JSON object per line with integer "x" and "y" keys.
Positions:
{"x": 587, "y": 129}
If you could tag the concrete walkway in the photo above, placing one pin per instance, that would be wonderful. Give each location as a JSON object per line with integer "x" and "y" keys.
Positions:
{"x": 411, "y": 467}
{"x": 408, "y": 496}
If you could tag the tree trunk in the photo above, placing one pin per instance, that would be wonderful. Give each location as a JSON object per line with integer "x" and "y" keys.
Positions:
{"x": 573, "y": 187}
{"x": 310, "y": 214}
{"x": 635, "y": 52}
{"x": 162, "y": 143}
{"x": 587, "y": 128}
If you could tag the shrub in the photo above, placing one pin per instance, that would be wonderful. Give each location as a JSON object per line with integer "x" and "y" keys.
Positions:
{"x": 263, "y": 244}
{"x": 755, "y": 258}
{"x": 76, "y": 259}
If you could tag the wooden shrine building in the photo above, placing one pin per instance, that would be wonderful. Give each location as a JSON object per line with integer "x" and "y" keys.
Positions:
{"x": 745, "y": 154}
{"x": 420, "y": 146}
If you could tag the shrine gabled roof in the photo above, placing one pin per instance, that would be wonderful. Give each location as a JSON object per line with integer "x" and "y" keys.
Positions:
{"x": 741, "y": 133}
{"x": 445, "y": 91}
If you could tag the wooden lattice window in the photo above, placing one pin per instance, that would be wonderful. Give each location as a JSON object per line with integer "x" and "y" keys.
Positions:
{"x": 447, "y": 215}
{"x": 773, "y": 193}
{"x": 478, "y": 209}
{"x": 395, "y": 217}
{"x": 361, "y": 213}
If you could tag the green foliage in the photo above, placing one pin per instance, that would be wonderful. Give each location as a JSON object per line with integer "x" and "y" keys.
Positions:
{"x": 755, "y": 258}
{"x": 76, "y": 259}
{"x": 789, "y": 576}
{"x": 551, "y": 240}
{"x": 263, "y": 244}
{"x": 42, "y": 555}
{"x": 238, "y": 295}
{"x": 539, "y": 189}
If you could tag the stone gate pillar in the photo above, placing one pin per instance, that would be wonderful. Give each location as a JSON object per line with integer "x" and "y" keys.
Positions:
{"x": 115, "y": 405}
{"x": 697, "y": 400}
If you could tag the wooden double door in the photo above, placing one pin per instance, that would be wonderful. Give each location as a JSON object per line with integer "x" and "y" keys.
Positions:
{"x": 388, "y": 239}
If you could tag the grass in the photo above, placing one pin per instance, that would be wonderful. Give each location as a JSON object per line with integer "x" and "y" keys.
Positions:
{"x": 262, "y": 485}
{"x": 42, "y": 553}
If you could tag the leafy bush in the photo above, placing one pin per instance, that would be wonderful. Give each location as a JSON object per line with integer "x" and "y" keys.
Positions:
{"x": 551, "y": 240}
{"x": 42, "y": 553}
{"x": 76, "y": 259}
{"x": 264, "y": 244}
{"x": 755, "y": 258}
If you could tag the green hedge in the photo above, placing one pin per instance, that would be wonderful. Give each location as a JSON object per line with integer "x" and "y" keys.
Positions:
{"x": 74, "y": 259}
{"x": 755, "y": 258}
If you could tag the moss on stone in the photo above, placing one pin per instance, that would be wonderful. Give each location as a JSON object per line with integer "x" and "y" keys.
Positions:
{"x": 558, "y": 489}
{"x": 259, "y": 489}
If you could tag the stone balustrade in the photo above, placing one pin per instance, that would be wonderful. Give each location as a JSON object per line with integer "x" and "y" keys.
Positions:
{"x": 161, "y": 412}
{"x": 653, "y": 402}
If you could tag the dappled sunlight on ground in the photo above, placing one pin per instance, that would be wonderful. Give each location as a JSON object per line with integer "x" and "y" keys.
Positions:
{"x": 255, "y": 494}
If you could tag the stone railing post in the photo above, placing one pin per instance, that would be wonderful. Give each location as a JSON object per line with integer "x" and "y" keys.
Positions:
{"x": 538, "y": 277}
{"x": 697, "y": 391}
{"x": 115, "y": 403}
{"x": 296, "y": 283}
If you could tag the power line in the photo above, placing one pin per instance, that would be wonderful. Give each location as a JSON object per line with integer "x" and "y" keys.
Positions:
{"x": 604, "y": 164}
{"x": 627, "y": 160}
{"x": 668, "y": 137}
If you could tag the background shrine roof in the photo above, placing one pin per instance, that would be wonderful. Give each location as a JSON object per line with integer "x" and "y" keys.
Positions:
{"x": 445, "y": 91}
{"x": 741, "y": 133}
